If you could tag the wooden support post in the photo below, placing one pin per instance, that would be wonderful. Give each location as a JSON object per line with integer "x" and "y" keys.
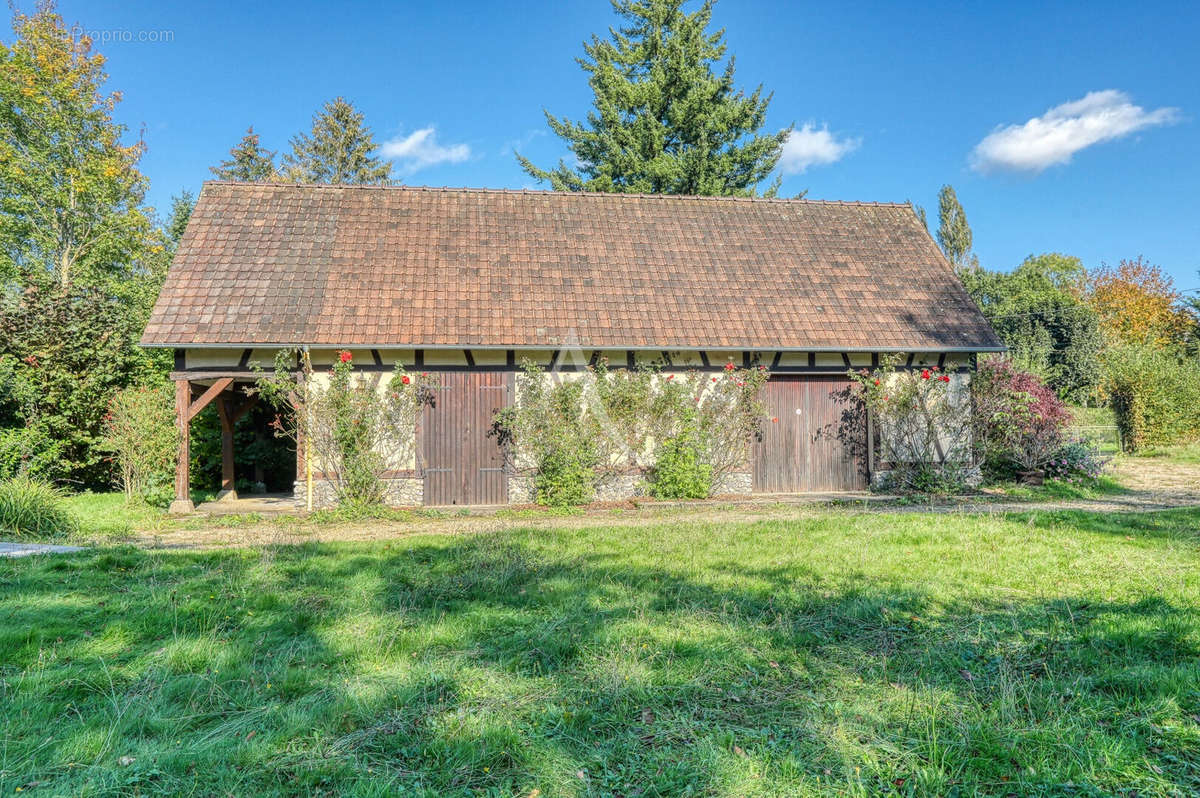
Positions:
{"x": 228, "y": 488}
{"x": 183, "y": 400}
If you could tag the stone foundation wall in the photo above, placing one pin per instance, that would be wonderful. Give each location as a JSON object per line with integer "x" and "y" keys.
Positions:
{"x": 735, "y": 482}
{"x": 399, "y": 492}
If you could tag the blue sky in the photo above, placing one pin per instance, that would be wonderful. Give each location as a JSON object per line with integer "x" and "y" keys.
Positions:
{"x": 1067, "y": 127}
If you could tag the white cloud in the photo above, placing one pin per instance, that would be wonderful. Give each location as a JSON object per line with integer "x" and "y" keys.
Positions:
{"x": 811, "y": 147}
{"x": 1064, "y": 130}
{"x": 420, "y": 149}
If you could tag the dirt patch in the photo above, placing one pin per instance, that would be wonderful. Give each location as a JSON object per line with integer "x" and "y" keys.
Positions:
{"x": 1164, "y": 477}
{"x": 1152, "y": 485}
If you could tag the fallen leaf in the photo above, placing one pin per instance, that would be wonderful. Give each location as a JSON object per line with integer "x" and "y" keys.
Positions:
{"x": 738, "y": 751}
{"x": 647, "y": 716}
{"x": 125, "y": 761}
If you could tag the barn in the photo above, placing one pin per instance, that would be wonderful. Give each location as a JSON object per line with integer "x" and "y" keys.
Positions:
{"x": 470, "y": 283}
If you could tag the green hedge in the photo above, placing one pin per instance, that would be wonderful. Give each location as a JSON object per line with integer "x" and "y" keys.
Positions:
{"x": 1155, "y": 394}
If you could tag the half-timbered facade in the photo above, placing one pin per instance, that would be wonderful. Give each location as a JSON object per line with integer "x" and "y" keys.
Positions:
{"x": 470, "y": 283}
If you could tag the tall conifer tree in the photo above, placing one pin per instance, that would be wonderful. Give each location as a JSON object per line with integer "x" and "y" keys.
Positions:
{"x": 337, "y": 150}
{"x": 663, "y": 121}
{"x": 247, "y": 162}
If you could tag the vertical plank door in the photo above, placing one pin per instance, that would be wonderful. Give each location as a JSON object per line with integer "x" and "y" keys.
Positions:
{"x": 462, "y": 463}
{"x": 813, "y": 444}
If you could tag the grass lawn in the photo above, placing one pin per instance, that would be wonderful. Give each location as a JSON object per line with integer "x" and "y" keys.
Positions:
{"x": 849, "y": 654}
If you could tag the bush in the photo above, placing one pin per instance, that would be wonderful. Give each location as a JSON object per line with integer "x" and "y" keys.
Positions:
{"x": 1076, "y": 460}
{"x": 1019, "y": 422}
{"x": 679, "y": 472}
{"x": 30, "y": 449}
{"x": 33, "y": 510}
{"x": 1154, "y": 395}
{"x": 564, "y": 478}
{"x": 141, "y": 432}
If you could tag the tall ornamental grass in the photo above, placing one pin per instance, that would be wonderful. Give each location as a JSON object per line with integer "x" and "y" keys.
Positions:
{"x": 33, "y": 510}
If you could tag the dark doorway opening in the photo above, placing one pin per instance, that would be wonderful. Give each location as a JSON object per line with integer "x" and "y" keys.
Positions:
{"x": 262, "y": 462}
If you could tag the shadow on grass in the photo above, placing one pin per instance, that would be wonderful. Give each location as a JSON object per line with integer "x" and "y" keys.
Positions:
{"x": 500, "y": 664}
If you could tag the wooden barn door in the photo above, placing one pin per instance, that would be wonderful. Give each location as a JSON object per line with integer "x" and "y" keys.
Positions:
{"x": 814, "y": 445}
{"x": 461, "y": 462}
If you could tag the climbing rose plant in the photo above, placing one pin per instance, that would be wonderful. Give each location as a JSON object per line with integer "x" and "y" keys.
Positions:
{"x": 683, "y": 433}
{"x": 923, "y": 426}
{"x": 354, "y": 426}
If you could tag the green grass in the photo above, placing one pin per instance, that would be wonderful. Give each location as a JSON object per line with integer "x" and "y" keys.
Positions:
{"x": 1180, "y": 453}
{"x": 1056, "y": 489}
{"x": 850, "y": 654}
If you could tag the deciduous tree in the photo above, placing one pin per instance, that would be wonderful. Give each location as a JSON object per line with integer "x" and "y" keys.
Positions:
{"x": 1138, "y": 303}
{"x": 70, "y": 191}
{"x": 1039, "y": 311}
{"x": 666, "y": 118}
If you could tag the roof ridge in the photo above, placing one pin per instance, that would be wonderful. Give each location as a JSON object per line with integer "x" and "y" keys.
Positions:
{"x": 548, "y": 192}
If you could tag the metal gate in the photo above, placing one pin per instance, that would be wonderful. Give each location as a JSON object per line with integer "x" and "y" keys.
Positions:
{"x": 462, "y": 463}
{"x": 813, "y": 438}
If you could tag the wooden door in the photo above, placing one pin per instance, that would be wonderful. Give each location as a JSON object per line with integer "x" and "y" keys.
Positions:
{"x": 461, "y": 462}
{"x": 815, "y": 442}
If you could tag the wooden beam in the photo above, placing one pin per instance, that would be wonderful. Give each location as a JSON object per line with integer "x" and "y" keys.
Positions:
{"x": 183, "y": 398}
{"x": 228, "y": 489}
{"x": 213, "y": 391}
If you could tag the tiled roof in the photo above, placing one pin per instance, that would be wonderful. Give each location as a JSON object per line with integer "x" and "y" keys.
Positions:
{"x": 398, "y": 266}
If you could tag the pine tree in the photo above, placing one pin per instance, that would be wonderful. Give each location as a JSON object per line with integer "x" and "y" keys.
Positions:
{"x": 248, "y": 161}
{"x": 663, "y": 121}
{"x": 338, "y": 150}
{"x": 954, "y": 234}
{"x": 182, "y": 205}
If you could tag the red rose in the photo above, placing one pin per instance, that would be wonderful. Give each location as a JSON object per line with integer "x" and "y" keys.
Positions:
{"x": 405, "y": 379}
{"x": 924, "y": 374}
{"x": 714, "y": 379}
{"x": 345, "y": 356}
{"x": 775, "y": 419}
{"x": 944, "y": 378}
{"x": 876, "y": 382}
{"x": 670, "y": 377}
{"x": 729, "y": 367}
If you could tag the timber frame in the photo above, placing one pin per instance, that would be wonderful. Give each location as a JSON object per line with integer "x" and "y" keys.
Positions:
{"x": 191, "y": 397}
{"x": 199, "y": 386}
